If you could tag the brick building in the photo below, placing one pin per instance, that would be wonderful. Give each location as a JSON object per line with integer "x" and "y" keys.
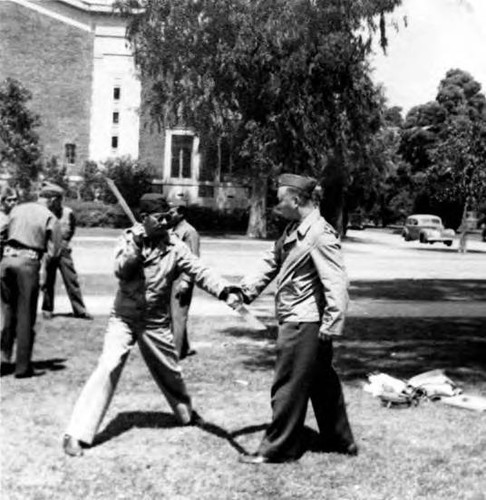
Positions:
{"x": 74, "y": 58}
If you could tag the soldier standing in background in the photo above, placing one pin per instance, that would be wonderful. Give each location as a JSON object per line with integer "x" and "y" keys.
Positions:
{"x": 65, "y": 265}
{"x": 183, "y": 287}
{"x": 8, "y": 200}
{"x": 32, "y": 231}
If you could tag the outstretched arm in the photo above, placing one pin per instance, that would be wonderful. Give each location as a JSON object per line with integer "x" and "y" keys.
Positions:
{"x": 266, "y": 270}
{"x": 204, "y": 277}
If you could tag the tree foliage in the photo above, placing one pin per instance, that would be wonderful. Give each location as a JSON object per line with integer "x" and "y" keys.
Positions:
{"x": 445, "y": 142}
{"x": 288, "y": 81}
{"x": 131, "y": 177}
{"x": 20, "y": 152}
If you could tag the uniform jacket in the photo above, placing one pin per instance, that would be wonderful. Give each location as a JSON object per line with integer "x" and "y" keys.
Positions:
{"x": 34, "y": 226}
{"x": 68, "y": 223}
{"x": 146, "y": 275}
{"x": 3, "y": 230}
{"x": 188, "y": 235}
{"x": 311, "y": 279}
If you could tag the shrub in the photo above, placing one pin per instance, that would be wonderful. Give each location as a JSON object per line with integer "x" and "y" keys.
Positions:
{"x": 96, "y": 214}
{"x": 211, "y": 220}
{"x": 131, "y": 178}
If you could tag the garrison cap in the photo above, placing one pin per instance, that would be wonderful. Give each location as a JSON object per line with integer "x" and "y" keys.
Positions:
{"x": 49, "y": 189}
{"x": 153, "y": 202}
{"x": 7, "y": 192}
{"x": 305, "y": 184}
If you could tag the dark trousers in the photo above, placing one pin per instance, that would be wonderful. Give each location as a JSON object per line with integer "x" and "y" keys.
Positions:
{"x": 65, "y": 265}
{"x": 19, "y": 292}
{"x": 304, "y": 371}
{"x": 179, "y": 311}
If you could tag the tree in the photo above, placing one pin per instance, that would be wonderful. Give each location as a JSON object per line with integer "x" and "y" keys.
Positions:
{"x": 286, "y": 80}
{"x": 20, "y": 153}
{"x": 445, "y": 141}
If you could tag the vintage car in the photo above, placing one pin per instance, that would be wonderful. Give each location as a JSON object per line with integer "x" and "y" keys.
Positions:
{"x": 427, "y": 229}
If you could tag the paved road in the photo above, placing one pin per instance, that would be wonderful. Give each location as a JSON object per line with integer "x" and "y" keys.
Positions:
{"x": 371, "y": 255}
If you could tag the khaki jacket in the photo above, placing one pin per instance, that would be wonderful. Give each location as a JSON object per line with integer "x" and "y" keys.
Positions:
{"x": 146, "y": 275}
{"x": 188, "y": 235}
{"x": 311, "y": 279}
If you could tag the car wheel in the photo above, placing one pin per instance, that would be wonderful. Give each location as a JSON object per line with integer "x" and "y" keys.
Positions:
{"x": 447, "y": 243}
{"x": 423, "y": 239}
{"x": 406, "y": 236}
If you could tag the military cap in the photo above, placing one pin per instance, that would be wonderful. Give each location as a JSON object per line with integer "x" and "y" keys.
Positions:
{"x": 305, "y": 184}
{"x": 153, "y": 202}
{"x": 49, "y": 189}
{"x": 7, "y": 192}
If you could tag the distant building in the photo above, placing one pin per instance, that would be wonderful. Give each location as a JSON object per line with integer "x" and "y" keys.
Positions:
{"x": 74, "y": 58}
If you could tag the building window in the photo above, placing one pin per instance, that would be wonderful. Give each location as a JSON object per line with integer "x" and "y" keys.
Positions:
{"x": 116, "y": 117}
{"x": 70, "y": 153}
{"x": 114, "y": 142}
{"x": 181, "y": 156}
{"x": 116, "y": 93}
{"x": 204, "y": 191}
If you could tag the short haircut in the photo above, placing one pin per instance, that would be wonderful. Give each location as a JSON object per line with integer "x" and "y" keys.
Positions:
{"x": 304, "y": 196}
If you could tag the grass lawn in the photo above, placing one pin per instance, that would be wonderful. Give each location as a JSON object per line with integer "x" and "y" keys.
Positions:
{"x": 429, "y": 452}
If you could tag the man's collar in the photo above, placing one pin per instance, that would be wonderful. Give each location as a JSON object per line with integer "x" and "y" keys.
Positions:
{"x": 307, "y": 222}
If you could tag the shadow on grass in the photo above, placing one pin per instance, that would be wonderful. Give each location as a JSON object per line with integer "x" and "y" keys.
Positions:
{"x": 420, "y": 290}
{"x": 53, "y": 365}
{"x": 126, "y": 421}
{"x": 402, "y": 347}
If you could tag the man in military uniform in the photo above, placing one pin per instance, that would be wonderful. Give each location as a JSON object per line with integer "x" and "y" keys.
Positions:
{"x": 147, "y": 261}
{"x": 311, "y": 300}
{"x": 65, "y": 265}
{"x": 8, "y": 200}
{"x": 183, "y": 286}
{"x": 33, "y": 230}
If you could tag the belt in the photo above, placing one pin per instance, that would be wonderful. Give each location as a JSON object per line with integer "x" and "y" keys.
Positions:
{"x": 27, "y": 253}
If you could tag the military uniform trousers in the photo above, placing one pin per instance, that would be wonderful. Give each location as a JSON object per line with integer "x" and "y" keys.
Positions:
{"x": 65, "y": 265}
{"x": 19, "y": 292}
{"x": 304, "y": 371}
{"x": 157, "y": 348}
{"x": 179, "y": 310}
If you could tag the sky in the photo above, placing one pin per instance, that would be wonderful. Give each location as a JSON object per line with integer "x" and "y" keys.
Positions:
{"x": 439, "y": 35}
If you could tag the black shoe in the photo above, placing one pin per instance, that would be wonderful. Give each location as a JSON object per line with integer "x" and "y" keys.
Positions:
{"x": 254, "y": 459}
{"x": 196, "y": 419}
{"x": 30, "y": 373}
{"x": 6, "y": 368}
{"x": 84, "y": 315}
{"x": 191, "y": 352}
{"x": 72, "y": 446}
